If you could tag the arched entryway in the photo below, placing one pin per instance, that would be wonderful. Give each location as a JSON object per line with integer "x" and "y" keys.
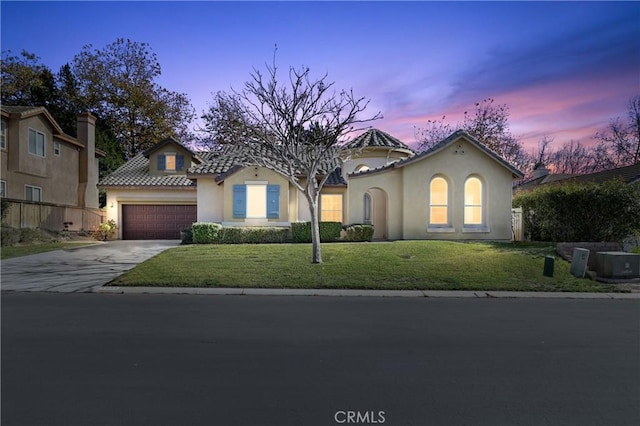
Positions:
{"x": 375, "y": 212}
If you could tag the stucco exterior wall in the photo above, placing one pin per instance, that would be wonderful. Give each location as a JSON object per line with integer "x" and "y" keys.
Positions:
{"x": 256, "y": 174}
{"x": 457, "y": 162}
{"x": 390, "y": 182}
{"x": 117, "y": 197}
{"x": 210, "y": 200}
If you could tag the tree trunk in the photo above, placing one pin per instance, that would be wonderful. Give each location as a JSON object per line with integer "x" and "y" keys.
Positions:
{"x": 312, "y": 198}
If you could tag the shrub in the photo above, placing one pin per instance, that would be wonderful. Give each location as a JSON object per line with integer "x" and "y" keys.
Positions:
{"x": 4, "y": 209}
{"x": 105, "y": 231}
{"x": 205, "y": 233}
{"x": 252, "y": 235}
{"x": 359, "y": 232}
{"x": 9, "y": 236}
{"x": 329, "y": 231}
{"x": 581, "y": 212}
{"x": 186, "y": 236}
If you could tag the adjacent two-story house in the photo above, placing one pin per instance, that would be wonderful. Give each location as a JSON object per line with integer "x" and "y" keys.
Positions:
{"x": 40, "y": 164}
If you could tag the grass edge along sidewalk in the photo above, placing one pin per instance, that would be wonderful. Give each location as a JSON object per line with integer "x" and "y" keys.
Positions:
{"x": 398, "y": 265}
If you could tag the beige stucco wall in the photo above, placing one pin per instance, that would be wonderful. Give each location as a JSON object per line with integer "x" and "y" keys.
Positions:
{"x": 256, "y": 174}
{"x": 390, "y": 182}
{"x": 372, "y": 158}
{"x": 210, "y": 200}
{"x": 117, "y": 197}
{"x": 407, "y": 189}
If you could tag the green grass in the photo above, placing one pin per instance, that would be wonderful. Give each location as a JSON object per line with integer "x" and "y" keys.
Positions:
{"x": 423, "y": 265}
{"x": 16, "y": 251}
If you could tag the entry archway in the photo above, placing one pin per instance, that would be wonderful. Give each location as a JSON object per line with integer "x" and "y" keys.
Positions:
{"x": 375, "y": 212}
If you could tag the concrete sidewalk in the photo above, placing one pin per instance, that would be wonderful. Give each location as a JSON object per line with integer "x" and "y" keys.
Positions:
{"x": 81, "y": 269}
{"x": 362, "y": 293}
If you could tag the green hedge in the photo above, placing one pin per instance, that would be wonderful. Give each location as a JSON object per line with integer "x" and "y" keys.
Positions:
{"x": 329, "y": 231}
{"x": 359, "y": 232}
{"x": 607, "y": 211}
{"x": 205, "y": 233}
{"x": 253, "y": 235}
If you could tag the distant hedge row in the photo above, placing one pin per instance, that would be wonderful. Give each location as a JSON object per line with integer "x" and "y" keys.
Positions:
{"x": 300, "y": 232}
{"x": 607, "y": 211}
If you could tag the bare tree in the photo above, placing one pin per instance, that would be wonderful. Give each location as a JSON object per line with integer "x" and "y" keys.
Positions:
{"x": 294, "y": 128}
{"x": 489, "y": 124}
{"x": 622, "y": 138}
{"x": 433, "y": 132}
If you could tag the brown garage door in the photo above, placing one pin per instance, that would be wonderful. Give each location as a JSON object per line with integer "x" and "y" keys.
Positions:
{"x": 156, "y": 222}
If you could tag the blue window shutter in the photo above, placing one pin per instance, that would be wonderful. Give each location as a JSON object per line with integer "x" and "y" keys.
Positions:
{"x": 162, "y": 164}
{"x": 239, "y": 201}
{"x": 180, "y": 162}
{"x": 273, "y": 201}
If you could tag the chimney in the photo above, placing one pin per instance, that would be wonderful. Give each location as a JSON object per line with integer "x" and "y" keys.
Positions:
{"x": 88, "y": 179}
{"x": 540, "y": 171}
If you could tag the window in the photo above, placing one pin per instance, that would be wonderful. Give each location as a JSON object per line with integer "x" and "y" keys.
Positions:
{"x": 362, "y": 168}
{"x": 256, "y": 201}
{"x": 367, "y": 208}
{"x": 3, "y": 134}
{"x": 36, "y": 143}
{"x": 170, "y": 162}
{"x": 32, "y": 193}
{"x": 438, "y": 202}
{"x": 56, "y": 148}
{"x": 331, "y": 207}
{"x": 3, "y": 188}
{"x": 473, "y": 202}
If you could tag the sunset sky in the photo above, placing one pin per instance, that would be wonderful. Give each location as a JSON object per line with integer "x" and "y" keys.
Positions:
{"x": 564, "y": 69}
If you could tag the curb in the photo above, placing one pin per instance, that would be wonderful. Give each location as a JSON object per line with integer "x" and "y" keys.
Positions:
{"x": 363, "y": 293}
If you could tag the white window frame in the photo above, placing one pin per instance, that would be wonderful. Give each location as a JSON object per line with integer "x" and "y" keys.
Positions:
{"x": 56, "y": 148}
{"x": 174, "y": 156}
{"x": 31, "y": 188}
{"x": 3, "y": 188}
{"x": 256, "y": 200}
{"x": 44, "y": 143}
{"x": 3, "y": 134}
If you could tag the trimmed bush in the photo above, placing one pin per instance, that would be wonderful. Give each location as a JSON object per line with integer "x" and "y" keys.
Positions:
{"x": 9, "y": 236}
{"x": 105, "y": 231}
{"x": 252, "y": 235}
{"x": 205, "y": 233}
{"x": 186, "y": 236}
{"x": 586, "y": 212}
{"x": 359, "y": 232}
{"x": 329, "y": 231}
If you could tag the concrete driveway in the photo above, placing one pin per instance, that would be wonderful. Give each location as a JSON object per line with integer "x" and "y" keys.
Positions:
{"x": 80, "y": 269}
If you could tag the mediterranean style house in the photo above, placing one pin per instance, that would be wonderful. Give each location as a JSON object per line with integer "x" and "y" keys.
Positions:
{"x": 43, "y": 166}
{"x": 459, "y": 189}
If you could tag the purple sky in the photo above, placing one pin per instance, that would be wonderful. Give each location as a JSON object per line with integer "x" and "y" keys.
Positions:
{"x": 564, "y": 69}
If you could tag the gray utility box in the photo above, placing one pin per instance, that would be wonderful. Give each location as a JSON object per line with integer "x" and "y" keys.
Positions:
{"x": 617, "y": 264}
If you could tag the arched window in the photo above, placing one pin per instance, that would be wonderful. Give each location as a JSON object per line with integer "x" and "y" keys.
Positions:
{"x": 367, "y": 208}
{"x": 362, "y": 168}
{"x": 473, "y": 202}
{"x": 438, "y": 202}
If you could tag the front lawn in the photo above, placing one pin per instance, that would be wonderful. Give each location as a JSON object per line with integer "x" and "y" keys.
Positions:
{"x": 400, "y": 265}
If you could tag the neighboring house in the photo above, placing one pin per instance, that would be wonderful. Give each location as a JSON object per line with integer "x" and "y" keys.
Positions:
{"x": 542, "y": 176}
{"x": 41, "y": 164}
{"x": 381, "y": 181}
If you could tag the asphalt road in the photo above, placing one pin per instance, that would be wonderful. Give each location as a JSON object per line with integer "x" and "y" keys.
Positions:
{"x": 99, "y": 359}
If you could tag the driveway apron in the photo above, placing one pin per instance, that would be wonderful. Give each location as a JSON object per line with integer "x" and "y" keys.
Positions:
{"x": 80, "y": 269}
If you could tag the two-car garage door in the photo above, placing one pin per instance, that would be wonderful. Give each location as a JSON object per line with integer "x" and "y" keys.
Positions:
{"x": 156, "y": 222}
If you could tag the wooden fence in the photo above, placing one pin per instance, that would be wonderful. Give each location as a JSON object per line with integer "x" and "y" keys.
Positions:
{"x": 53, "y": 217}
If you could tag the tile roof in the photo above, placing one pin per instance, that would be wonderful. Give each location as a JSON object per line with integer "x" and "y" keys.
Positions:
{"x": 135, "y": 172}
{"x": 628, "y": 174}
{"x": 374, "y": 138}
